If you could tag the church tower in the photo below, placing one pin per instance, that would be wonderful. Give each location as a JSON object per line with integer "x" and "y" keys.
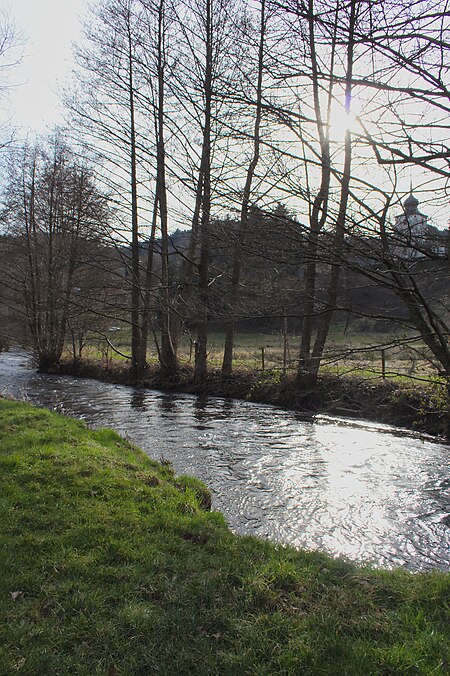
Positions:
{"x": 414, "y": 236}
{"x": 411, "y": 225}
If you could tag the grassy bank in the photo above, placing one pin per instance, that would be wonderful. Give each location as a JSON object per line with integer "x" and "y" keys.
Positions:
{"x": 112, "y": 565}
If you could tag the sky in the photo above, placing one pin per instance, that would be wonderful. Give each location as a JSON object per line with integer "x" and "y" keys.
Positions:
{"x": 47, "y": 29}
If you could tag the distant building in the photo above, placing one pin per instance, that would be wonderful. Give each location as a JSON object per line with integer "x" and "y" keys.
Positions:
{"x": 414, "y": 236}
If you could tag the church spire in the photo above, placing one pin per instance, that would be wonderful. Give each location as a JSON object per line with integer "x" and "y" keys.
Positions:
{"x": 411, "y": 203}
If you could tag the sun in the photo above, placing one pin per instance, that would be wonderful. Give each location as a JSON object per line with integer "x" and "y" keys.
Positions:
{"x": 341, "y": 120}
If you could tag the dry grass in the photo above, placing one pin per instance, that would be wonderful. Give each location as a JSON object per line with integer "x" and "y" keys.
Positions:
{"x": 360, "y": 354}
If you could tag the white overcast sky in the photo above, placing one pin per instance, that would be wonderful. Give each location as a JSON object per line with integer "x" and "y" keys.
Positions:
{"x": 48, "y": 28}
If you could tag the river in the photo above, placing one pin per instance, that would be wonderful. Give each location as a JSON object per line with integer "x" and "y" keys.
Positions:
{"x": 371, "y": 493}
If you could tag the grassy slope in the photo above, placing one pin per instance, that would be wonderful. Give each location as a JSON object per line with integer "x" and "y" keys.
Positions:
{"x": 109, "y": 565}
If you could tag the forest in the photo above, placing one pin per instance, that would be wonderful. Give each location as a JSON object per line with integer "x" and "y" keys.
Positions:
{"x": 234, "y": 166}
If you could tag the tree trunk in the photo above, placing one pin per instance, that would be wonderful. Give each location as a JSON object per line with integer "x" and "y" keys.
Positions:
{"x": 146, "y": 309}
{"x": 227, "y": 364}
{"x": 339, "y": 236}
{"x": 169, "y": 363}
{"x": 136, "y": 348}
{"x": 200, "y": 369}
{"x": 188, "y": 266}
{"x": 318, "y": 216}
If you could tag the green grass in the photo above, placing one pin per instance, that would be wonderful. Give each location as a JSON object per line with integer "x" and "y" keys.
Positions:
{"x": 112, "y": 565}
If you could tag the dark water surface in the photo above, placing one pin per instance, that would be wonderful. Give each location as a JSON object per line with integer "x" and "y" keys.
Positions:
{"x": 368, "y": 492}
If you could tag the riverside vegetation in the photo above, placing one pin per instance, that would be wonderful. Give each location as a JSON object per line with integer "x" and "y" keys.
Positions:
{"x": 407, "y": 394}
{"x": 113, "y": 565}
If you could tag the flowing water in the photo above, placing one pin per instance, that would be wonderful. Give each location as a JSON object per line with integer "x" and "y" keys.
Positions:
{"x": 368, "y": 492}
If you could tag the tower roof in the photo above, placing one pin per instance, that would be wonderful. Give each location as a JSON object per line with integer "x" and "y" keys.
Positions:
{"x": 411, "y": 203}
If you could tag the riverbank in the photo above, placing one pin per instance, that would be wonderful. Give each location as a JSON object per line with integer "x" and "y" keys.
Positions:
{"x": 113, "y": 565}
{"x": 420, "y": 407}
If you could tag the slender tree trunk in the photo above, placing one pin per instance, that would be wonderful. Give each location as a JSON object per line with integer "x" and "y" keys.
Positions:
{"x": 227, "y": 364}
{"x": 339, "y": 236}
{"x": 136, "y": 349}
{"x": 72, "y": 256}
{"x": 31, "y": 280}
{"x": 188, "y": 266}
{"x": 200, "y": 369}
{"x": 168, "y": 357}
{"x": 306, "y": 376}
{"x": 146, "y": 308}
{"x": 46, "y": 356}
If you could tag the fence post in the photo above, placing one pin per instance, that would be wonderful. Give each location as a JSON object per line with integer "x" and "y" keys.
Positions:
{"x": 285, "y": 343}
{"x": 262, "y": 358}
{"x": 383, "y": 364}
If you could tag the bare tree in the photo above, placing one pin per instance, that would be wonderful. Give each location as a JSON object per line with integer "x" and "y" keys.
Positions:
{"x": 168, "y": 355}
{"x": 227, "y": 364}
{"x": 324, "y": 74}
{"x": 53, "y": 214}
{"x": 107, "y": 111}
{"x": 10, "y": 56}
{"x": 205, "y": 34}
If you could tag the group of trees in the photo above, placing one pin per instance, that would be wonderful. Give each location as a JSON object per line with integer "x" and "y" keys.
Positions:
{"x": 57, "y": 222}
{"x": 200, "y": 113}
